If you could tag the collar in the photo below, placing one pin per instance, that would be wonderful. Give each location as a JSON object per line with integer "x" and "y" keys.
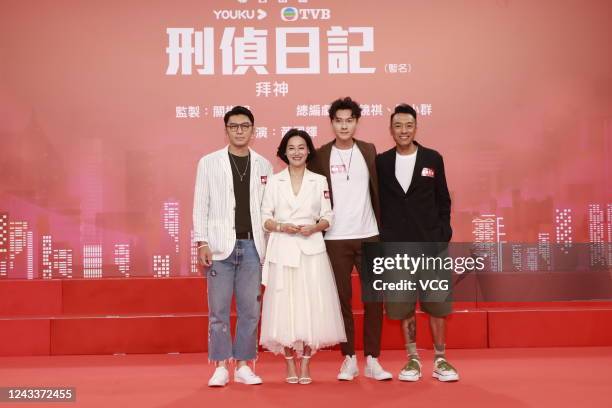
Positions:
{"x": 253, "y": 153}
{"x": 284, "y": 175}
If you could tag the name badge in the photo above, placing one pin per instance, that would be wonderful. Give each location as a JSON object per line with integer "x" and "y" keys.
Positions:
{"x": 426, "y": 172}
{"x": 338, "y": 168}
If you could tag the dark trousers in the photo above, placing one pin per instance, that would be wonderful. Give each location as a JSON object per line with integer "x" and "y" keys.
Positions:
{"x": 344, "y": 254}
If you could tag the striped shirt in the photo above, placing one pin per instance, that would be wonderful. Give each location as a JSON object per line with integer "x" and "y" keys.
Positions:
{"x": 214, "y": 204}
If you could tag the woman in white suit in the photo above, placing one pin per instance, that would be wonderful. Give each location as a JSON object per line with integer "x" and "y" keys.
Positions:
{"x": 301, "y": 310}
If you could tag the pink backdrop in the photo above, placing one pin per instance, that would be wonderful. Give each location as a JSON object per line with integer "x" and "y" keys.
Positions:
{"x": 97, "y": 166}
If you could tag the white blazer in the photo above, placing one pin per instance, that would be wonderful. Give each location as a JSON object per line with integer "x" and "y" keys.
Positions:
{"x": 310, "y": 205}
{"x": 214, "y": 204}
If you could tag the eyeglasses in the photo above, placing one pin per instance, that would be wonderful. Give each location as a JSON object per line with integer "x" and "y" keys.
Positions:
{"x": 233, "y": 127}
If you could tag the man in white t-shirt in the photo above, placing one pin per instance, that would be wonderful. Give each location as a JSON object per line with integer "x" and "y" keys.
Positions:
{"x": 350, "y": 168}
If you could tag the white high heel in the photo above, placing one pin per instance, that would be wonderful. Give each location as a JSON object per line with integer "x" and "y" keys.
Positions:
{"x": 305, "y": 380}
{"x": 294, "y": 379}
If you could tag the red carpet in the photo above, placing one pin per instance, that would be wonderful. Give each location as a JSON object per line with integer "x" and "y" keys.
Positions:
{"x": 543, "y": 377}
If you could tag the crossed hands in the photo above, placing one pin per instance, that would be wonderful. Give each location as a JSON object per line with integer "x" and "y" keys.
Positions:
{"x": 304, "y": 230}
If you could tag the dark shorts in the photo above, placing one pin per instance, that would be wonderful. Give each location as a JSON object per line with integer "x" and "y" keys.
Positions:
{"x": 402, "y": 311}
{"x": 401, "y": 305}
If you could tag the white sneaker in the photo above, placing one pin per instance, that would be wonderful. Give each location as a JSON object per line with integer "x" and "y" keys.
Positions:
{"x": 349, "y": 369}
{"x": 374, "y": 370}
{"x": 220, "y": 377}
{"x": 411, "y": 371}
{"x": 245, "y": 375}
{"x": 444, "y": 371}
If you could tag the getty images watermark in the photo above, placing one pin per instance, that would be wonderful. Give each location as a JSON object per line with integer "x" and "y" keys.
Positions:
{"x": 403, "y": 263}
{"x": 492, "y": 272}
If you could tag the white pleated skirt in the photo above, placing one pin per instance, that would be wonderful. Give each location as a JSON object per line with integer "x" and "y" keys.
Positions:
{"x": 301, "y": 306}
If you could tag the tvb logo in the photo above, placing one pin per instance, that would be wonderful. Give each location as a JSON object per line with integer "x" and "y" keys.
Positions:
{"x": 294, "y": 14}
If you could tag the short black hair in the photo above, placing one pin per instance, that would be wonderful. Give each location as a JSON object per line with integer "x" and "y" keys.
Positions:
{"x": 282, "y": 147}
{"x": 239, "y": 110}
{"x": 344, "y": 103}
{"x": 404, "y": 108}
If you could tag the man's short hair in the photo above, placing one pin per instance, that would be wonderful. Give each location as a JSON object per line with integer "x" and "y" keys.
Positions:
{"x": 404, "y": 108}
{"x": 345, "y": 103}
{"x": 282, "y": 147}
{"x": 239, "y": 110}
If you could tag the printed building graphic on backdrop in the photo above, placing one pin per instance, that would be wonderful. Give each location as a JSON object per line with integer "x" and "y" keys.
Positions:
{"x": 62, "y": 263}
{"x": 596, "y": 236}
{"x": 563, "y": 228}
{"x": 47, "y": 257}
{"x": 193, "y": 267}
{"x": 122, "y": 259}
{"x": 544, "y": 251}
{"x": 4, "y": 245}
{"x": 19, "y": 247}
{"x": 609, "y": 228}
{"x": 92, "y": 261}
{"x": 488, "y": 239}
{"x": 161, "y": 266}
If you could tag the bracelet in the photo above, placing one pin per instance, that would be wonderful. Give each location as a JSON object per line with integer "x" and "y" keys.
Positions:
{"x": 279, "y": 226}
{"x": 202, "y": 246}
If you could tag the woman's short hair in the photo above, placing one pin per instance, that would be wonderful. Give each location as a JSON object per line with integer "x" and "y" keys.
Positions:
{"x": 282, "y": 147}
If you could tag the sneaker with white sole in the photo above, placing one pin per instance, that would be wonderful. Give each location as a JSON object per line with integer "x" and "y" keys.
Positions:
{"x": 245, "y": 375}
{"x": 220, "y": 377}
{"x": 374, "y": 370}
{"x": 444, "y": 371}
{"x": 411, "y": 371}
{"x": 349, "y": 369}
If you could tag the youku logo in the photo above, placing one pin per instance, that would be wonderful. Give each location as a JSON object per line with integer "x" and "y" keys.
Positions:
{"x": 258, "y": 14}
{"x": 294, "y": 14}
